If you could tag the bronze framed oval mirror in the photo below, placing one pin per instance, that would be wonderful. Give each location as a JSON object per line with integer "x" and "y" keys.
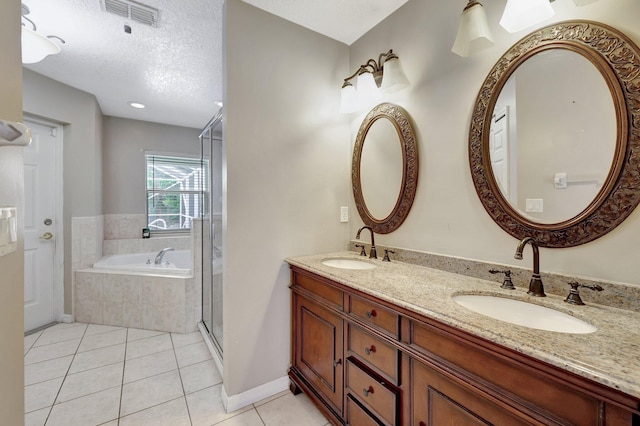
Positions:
{"x": 555, "y": 133}
{"x": 384, "y": 168}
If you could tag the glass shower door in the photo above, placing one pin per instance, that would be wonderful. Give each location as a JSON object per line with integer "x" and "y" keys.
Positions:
{"x": 212, "y": 255}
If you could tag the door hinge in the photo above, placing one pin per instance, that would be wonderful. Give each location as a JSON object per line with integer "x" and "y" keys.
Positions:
{"x": 54, "y": 132}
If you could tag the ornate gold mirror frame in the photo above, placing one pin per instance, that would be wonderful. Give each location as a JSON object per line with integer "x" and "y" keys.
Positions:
{"x": 407, "y": 139}
{"x": 618, "y": 60}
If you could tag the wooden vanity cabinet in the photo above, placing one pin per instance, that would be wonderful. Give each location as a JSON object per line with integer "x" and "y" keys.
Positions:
{"x": 366, "y": 362}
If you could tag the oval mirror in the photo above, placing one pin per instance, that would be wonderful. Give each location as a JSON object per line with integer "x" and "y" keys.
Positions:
{"x": 551, "y": 139}
{"x": 384, "y": 169}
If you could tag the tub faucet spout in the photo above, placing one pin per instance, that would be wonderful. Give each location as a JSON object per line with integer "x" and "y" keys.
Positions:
{"x": 372, "y": 253}
{"x": 535, "y": 285}
{"x": 161, "y": 254}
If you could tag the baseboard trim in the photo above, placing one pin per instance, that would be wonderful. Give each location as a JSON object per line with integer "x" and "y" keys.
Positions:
{"x": 235, "y": 402}
{"x": 66, "y": 318}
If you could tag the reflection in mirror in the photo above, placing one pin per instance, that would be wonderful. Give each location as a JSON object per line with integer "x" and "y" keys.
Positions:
{"x": 553, "y": 136}
{"x": 384, "y": 168}
{"x": 381, "y": 168}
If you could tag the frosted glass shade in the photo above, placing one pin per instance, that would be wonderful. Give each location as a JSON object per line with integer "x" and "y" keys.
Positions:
{"x": 521, "y": 14}
{"x": 473, "y": 32}
{"x": 35, "y": 46}
{"x": 348, "y": 99}
{"x": 393, "y": 76}
{"x": 367, "y": 89}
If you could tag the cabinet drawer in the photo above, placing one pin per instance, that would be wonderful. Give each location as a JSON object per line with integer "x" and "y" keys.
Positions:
{"x": 374, "y": 351}
{"x": 376, "y": 315}
{"x": 357, "y": 416}
{"x": 377, "y": 396}
{"x": 317, "y": 287}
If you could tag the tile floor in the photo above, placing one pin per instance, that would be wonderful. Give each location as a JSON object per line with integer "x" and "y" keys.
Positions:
{"x": 84, "y": 375}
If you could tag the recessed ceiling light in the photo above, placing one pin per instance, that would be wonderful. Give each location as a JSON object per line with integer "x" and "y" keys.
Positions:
{"x": 136, "y": 105}
{"x": 219, "y": 103}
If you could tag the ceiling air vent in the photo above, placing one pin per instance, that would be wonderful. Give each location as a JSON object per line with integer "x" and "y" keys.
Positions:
{"x": 130, "y": 9}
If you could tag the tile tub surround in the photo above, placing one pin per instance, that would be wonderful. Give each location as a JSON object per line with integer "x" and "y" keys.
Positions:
{"x": 615, "y": 295}
{"x": 608, "y": 356}
{"x": 140, "y": 245}
{"x": 151, "y": 302}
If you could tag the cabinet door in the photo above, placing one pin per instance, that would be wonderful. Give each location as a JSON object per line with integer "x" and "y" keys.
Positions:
{"x": 437, "y": 400}
{"x": 319, "y": 350}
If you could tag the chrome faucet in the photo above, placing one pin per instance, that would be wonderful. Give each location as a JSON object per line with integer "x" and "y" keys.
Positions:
{"x": 535, "y": 285}
{"x": 372, "y": 253}
{"x": 160, "y": 255}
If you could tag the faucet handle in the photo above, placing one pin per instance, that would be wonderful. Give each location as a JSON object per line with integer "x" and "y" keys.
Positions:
{"x": 386, "y": 255}
{"x": 363, "y": 252}
{"x": 574, "y": 295}
{"x": 507, "y": 283}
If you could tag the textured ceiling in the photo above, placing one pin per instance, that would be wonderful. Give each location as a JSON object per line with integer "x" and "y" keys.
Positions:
{"x": 176, "y": 68}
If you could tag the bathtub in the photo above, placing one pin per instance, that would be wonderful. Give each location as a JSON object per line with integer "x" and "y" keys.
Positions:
{"x": 177, "y": 262}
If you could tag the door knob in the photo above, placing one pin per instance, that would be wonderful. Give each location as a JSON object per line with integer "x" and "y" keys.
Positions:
{"x": 46, "y": 236}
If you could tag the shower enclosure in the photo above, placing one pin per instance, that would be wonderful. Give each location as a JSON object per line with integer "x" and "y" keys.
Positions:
{"x": 211, "y": 215}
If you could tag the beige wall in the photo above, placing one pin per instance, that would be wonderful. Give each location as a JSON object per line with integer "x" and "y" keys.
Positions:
{"x": 447, "y": 217}
{"x": 11, "y": 194}
{"x": 81, "y": 117}
{"x": 123, "y": 163}
{"x": 287, "y": 164}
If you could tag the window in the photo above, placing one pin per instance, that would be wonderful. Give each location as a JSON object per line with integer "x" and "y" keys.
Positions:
{"x": 177, "y": 191}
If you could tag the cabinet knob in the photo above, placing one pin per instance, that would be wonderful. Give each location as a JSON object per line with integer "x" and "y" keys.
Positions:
{"x": 367, "y": 391}
{"x": 372, "y": 313}
{"x": 337, "y": 363}
{"x": 370, "y": 349}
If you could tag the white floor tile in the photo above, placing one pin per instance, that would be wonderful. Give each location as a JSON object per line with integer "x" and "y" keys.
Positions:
{"x": 172, "y": 413}
{"x": 41, "y": 395}
{"x": 36, "y": 418}
{"x": 30, "y": 340}
{"x": 180, "y": 340}
{"x": 46, "y": 370}
{"x": 98, "y": 329}
{"x": 271, "y": 398}
{"x": 150, "y": 365}
{"x": 97, "y": 358}
{"x": 200, "y": 376}
{"x": 206, "y": 407}
{"x": 47, "y": 352}
{"x": 248, "y": 418}
{"x": 137, "y": 334}
{"x": 111, "y": 423}
{"x": 290, "y": 410}
{"x": 192, "y": 354}
{"x": 92, "y": 409}
{"x": 148, "y": 346}
{"x": 103, "y": 340}
{"x": 90, "y": 381}
{"x": 146, "y": 393}
{"x": 57, "y": 335}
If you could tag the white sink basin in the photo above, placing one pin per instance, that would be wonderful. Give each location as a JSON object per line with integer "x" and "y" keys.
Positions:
{"x": 525, "y": 314}
{"x": 348, "y": 264}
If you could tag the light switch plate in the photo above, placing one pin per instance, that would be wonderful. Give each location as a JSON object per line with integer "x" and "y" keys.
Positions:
{"x": 344, "y": 214}
{"x": 534, "y": 205}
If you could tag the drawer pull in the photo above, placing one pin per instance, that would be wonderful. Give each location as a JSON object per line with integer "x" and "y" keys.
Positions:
{"x": 367, "y": 391}
{"x": 337, "y": 363}
{"x": 370, "y": 350}
{"x": 372, "y": 313}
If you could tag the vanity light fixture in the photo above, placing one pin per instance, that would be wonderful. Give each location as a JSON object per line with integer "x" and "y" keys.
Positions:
{"x": 385, "y": 75}
{"x": 473, "y": 33}
{"x": 36, "y": 46}
{"x": 521, "y": 14}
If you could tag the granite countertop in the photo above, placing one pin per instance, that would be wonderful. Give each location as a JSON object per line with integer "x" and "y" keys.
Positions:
{"x": 609, "y": 356}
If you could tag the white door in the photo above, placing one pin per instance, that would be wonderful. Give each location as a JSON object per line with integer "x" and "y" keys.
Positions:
{"x": 499, "y": 151}
{"x": 40, "y": 227}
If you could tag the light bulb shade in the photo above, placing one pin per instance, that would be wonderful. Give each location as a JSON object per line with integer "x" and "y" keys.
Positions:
{"x": 35, "y": 46}
{"x": 367, "y": 89}
{"x": 584, "y": 2}
{"x": 521, "y": 14}
{"x": 473, "y": 32}
{"x": 348, "y": 99}
{"x": 393, "y": 76}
